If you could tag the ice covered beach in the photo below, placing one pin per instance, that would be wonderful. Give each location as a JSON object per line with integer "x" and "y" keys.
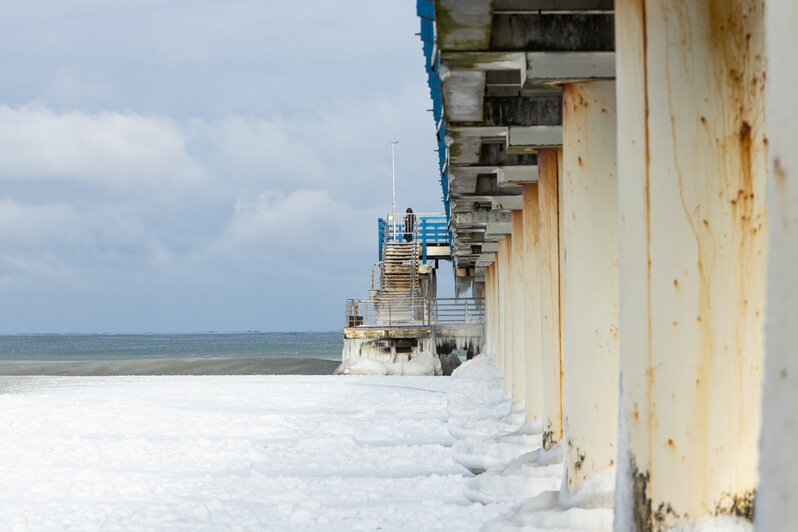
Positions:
{"x": 231, "y": 453}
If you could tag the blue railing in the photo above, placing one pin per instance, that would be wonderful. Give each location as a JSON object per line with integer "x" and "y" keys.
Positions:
{"x": 428, "y": 230}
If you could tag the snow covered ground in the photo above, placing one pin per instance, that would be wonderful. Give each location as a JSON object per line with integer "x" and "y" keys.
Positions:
{"x": 495, "y": 440}
{"x": 231, "y": 453}
{"x": 287, "y": 453}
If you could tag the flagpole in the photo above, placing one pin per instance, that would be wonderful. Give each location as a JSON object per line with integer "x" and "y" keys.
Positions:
{"x": 393, "y": 184}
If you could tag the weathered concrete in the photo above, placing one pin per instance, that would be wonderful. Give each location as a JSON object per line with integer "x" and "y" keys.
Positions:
{"x": 549, "y": 279}
{"x": 510, "y": 203}
{"x": 497, "y": 155}
{"x": 551, "y": 5}
{"x": 489, "y": 343}
{"x": 589, "y": 246}
{"x": 463, "y": 24}
{"x": 373, "y": 333}
{"x": 553, "y": 32}
{"x": 490, "y": 247}
{"x": 540, "y": 109}
{"x": 508, "y": 175}
{"x": 531, "y": 298}
{"x": 517, "y": 294}
{"x": 483, "y": 217}
{"x": 777, "y": 497}
{"x": 692, "y": 175}
{"x": 496, "y": 229}
{"x": 505, "y": 308}
{"x": 560, "y": 67}
{"x": 538, "y": 67}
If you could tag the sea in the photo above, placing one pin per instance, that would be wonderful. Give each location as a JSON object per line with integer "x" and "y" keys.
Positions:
{"x": 116, "y": 347}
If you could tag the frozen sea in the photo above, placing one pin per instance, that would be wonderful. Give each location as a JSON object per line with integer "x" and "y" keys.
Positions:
{"x": 230, "y": 453}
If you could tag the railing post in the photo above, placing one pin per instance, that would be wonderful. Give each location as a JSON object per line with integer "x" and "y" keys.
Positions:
{"x": 424, "y": 239}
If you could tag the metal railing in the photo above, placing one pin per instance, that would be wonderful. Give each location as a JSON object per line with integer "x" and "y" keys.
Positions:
{"x": 454, "y": 311}
{"x": 428, "y": 228}
{"x": 381, "y": 312}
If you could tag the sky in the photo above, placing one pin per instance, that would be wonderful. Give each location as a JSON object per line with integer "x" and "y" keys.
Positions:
{"x": 203, "y": 165}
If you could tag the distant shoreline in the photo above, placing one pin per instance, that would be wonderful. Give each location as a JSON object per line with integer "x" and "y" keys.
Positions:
{"x": 172, "y": 366}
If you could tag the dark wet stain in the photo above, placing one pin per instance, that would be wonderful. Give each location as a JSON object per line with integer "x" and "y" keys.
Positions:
{"x": 741, "y": 505}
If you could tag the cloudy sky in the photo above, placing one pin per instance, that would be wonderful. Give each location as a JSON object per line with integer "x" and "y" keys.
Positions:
{"x": 203, "y": 165}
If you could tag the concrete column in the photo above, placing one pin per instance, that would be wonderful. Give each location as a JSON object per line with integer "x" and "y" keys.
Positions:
{"x": 777, "y": 500}
{"x": 531, "y": 297}
{"x": 589, "y": 246}
{"x": 487, "y": 343}
{"x": 517, "y": 291}
{"x": 496, "y": 311}
{"x": 493, "y": 310}
{"x": 549, "y": 165}
{"x": 505, "y": 344}
{"x": 692, "y": 174}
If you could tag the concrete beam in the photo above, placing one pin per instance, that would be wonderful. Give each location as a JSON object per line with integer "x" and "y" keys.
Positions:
{"x": 497, "y": 155}
{"x": 482, "y": 183}
{"x": 463, "y": 24}
{"x": 535, "y": 136}
{"x": 482, "y": 218}
{"x": 537, "y": 67}
{"x": 462, "y": 92}
{"x": 519, "y": 6}
{"x": 499, "y": 228}
{"x": 562, "y": 67}
{"x": 510, "y": 203}
{"x": 537, "y": 109}
{"x": 466, "y": 143}
{"x": 508, "y": 175}
{"x": 563, "y": 32}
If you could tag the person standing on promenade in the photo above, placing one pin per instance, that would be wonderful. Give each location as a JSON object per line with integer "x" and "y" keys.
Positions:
{"x": 410, "y": 220}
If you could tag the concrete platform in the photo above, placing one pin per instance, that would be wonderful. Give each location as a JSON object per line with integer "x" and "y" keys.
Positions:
{"x": 375, "y": 333}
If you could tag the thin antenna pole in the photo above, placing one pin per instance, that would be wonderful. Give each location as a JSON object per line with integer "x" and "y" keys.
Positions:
{"x": 393, "y": 184}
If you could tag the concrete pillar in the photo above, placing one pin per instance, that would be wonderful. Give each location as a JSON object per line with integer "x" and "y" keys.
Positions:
{"x": 494, "y": 308}
{"x": 517, "y": 292}
{"x": 589, "y": 246}
{"x": 488, "y": 342}
{"x": 692, "y": 174}
{"x": 549, "y": 165}
{"x": 777, "y": 500}
{"x": 505, "y": 341}
{"x": 531, "y": 297}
